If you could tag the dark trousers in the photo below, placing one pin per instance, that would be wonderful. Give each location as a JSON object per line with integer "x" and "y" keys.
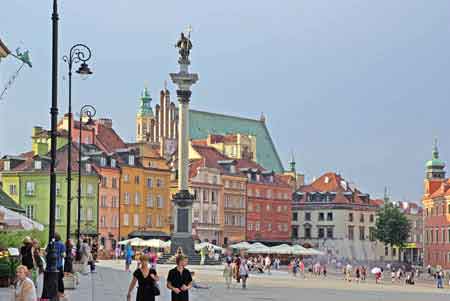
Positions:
{"x": 60, "y": 280}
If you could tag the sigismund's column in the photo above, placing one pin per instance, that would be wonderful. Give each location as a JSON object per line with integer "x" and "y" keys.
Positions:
{"x": 182, "y": 235}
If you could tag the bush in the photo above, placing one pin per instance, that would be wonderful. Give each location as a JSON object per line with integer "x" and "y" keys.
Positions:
{"x": 14, "y": 238}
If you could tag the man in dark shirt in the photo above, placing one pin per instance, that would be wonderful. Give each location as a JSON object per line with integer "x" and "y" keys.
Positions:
{"x": 179, "y": 280}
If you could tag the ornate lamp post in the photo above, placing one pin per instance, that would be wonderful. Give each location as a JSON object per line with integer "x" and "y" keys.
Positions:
{"x": 50, "y": 288}
{"x": 89, "y": 112}
{"x": 78, "y": 53}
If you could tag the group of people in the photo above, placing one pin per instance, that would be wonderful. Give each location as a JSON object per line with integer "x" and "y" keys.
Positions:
{"x": 179, "y": 280}
{"x": 263, "y": 264}
{"x": 358, "y": 274}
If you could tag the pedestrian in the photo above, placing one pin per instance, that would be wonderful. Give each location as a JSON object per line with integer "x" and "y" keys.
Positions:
{"x": 25, "y": 289}
{"x": 179, "y": 280}
{"x": 85, "y": 253}
{"x": 363, "y": 273}
{"x": 26, "y": 255}
{"x": 243, "y": 272}
{"x": 324, "y": 270}
{"x": 60, "y": 254}
{"x": 439, "y": 279}
{"x": 237, "y": 265}
{"x": 68, "y": 261}
{"x": 117, "y": 252}
{"x": 358, "y": 274}
{"x": 227, "y": 273}
{"x": 38, "y": 268}
{"x": 267, "y": 264}
{"x": 128, "y": 257}
{"x": 147, "y": 280}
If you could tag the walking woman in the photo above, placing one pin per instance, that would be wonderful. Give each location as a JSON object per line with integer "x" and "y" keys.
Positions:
{"x": 147, "y": 280}
{"x": 25, "y": 290}
{"x": 243, "y": 272}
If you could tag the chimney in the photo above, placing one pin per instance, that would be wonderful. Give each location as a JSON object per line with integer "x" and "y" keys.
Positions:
{"x": 107, "y": 122}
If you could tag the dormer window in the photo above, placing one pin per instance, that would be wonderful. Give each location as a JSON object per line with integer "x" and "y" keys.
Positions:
{"x": 38, "y": 164}
{"x": 113, "y": 162}
{"x": 271, "y": 179}
{"x": 249, "y": 176}
{"x": 131, "y": 160}
{"x": 102, "y": 161}
{"x": 258, "y": 177}
{"x": 88, "y": 167}
{"x": 232, "y": 169}
{"x": 7, "y": 165}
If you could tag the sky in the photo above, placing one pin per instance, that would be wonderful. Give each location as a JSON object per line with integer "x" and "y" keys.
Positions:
{"x": 356, "y": 87}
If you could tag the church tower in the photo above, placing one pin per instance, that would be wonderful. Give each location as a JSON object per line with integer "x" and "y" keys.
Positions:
{"x": 435, "y": 167}
{"x": 145, "y": 119}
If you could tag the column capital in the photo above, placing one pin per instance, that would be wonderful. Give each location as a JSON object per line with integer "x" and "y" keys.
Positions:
{"x": 184, "y": 96}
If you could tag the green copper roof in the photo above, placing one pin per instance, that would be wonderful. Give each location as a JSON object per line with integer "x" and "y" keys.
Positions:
{"x": 145, "y": 108}
{"x": 435, "y": 161}
{"x": 7, "y": 202}
{"x": 203, "y": 123}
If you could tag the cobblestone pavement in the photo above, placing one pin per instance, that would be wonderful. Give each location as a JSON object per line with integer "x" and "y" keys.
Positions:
{"x": 110, "y": 283}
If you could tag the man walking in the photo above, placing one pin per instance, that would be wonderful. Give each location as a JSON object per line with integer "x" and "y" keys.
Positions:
{"x": 179, "y": 280}
{"x": 60, "y": 253}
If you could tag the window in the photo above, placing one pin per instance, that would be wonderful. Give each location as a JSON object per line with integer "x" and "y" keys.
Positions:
{"x": 58, "y": 212}
{"x": 321, "y": 233}
{"x": 371, "y": 219}
{"x": 115, "y": 221}
{"x": 307, "y": 232}
{"x": 137, "y": 198}
{"x": 58, "y": 188}
{"x": 268, "y": 207}
{"x": 437, "y": 235}
{"x": 205, "y": 195}
{"x": 269, "y": 227}
{"x": 362, "y": 233}
{"x": 126, "y": 178}
{"x": 307, "y": 216}
{"x": 279, "y": 208}
{"x": 102, "y": 221}
{"x": 295, "y": 216}
{"x": 114, "y": 182}
{"x": 131, "y": 160}
{"x": 83, "y": 214}
{"x": 89, "y": 214}
{"x": 213, "y": 197}
{"x": 113, "y": 163}
{"x": 159, "y": 221}
{"x": 38, "y": 164}
{"x": 159, "y": 183}
{"x": 103, "y": 201}
{"x": 7, "y": 165}
{"x": 350, "y": 232}
{"x": 329, "y": 216}
{"x": 90, "y": 189}
{"x": 88, "y": 167}
{"x": 136, "y": 219}
{"x": 125, "y": 219}
{"x": 250, "y": 192}
{"x": 350, "y": 217}
{"x": 329, "y": 232}
{"x": 257, "y": 227}
{"x": 443, "y": 236}
{"x": 149, "y": 201}
{"x": 361, "y": 218}
{"x": 257, "y": 207}
{"x": 102, "y": 161}
{"x": 149, "y": 183}
{"x": 394, "y": 252}
{"x": 148, "y": 221}
{"x": 136, "y": 179}
{"x": 127, "y": 198}
{"x": 12, "y": 188}
{"x": 250, "y": 207}
{"x": 29, "y": 211}
{"x": 104, "y": 181}
{"x": 321, "y": 216}
{"x": 269, "y": 194}
{"x": 30, "y": 188}
{"x": 250, "y": 227}
{"x": 372, "y": 234}
{"x": 159, "y": 201}
{"x": 115, "y": 202}
{"x": 257, "y": 193}
{"x": 386, "y": 251}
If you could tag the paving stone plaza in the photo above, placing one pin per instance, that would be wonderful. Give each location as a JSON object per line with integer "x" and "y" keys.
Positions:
{"x": 110, "y": 283}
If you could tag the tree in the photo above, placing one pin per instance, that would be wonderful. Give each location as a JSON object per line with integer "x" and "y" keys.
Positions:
{"x": 392, "y": 227}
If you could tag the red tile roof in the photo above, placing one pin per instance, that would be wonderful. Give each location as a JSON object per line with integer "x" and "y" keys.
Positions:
{"x": 107, "y": 139}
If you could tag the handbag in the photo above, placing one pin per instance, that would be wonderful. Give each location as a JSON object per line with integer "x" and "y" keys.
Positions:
{"x": 155, "y": 289}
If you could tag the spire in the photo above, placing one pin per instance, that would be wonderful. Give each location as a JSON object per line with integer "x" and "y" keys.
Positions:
{"x": 292, "y": 163}
{"x": 145, "y": 108}
{"x": 435, "y": 153}
{"x": 386, "y": 195}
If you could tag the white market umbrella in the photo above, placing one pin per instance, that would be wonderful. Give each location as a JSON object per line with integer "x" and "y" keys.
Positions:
{"x": 259, "y": 248}
{"x": 207, "y": 245}
{"x": 299, "y": 250}
{"x": 154, "y": 243}
{"x": 241, "y": 246}
{"x": 17, "y": 220}
{"x": 375, "y": 270}
{"x": 129, "y": 241}
{"x": 138, "y": 243}
{"x": 283, "y": 249}
{"x": 315, "y": 252}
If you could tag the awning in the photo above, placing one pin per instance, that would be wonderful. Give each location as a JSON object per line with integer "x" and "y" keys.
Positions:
{"x": 149, "y": 234}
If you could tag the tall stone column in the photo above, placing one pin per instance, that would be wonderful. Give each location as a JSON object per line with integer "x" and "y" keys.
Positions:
{"x": 182, "y": 235}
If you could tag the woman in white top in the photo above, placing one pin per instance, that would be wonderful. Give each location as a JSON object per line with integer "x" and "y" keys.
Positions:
{"x": 25, "y": 290}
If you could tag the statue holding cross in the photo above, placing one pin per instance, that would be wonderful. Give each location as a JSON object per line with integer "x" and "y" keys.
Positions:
{"x": 184, "y": 45}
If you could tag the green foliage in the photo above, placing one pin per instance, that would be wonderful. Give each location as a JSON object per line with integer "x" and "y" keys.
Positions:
{"x": 14, "y": 238}
{"x": 392, "y": 226}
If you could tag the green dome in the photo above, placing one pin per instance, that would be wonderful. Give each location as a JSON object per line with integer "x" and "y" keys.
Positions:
{"x": 145, "y": 107}
{"x": 435, "y": 163}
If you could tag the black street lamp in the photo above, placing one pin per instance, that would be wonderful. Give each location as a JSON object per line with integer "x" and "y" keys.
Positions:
{"x": 78, "y": 53}
{"x": 89, "y": 112}
{"x": 50, "y": 289}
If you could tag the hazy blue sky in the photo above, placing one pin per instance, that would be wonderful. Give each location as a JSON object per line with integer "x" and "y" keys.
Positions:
{"x": 359, "y": 87}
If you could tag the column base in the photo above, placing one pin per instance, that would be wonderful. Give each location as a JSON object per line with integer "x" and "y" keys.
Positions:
{"x": 183, "y": 240}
